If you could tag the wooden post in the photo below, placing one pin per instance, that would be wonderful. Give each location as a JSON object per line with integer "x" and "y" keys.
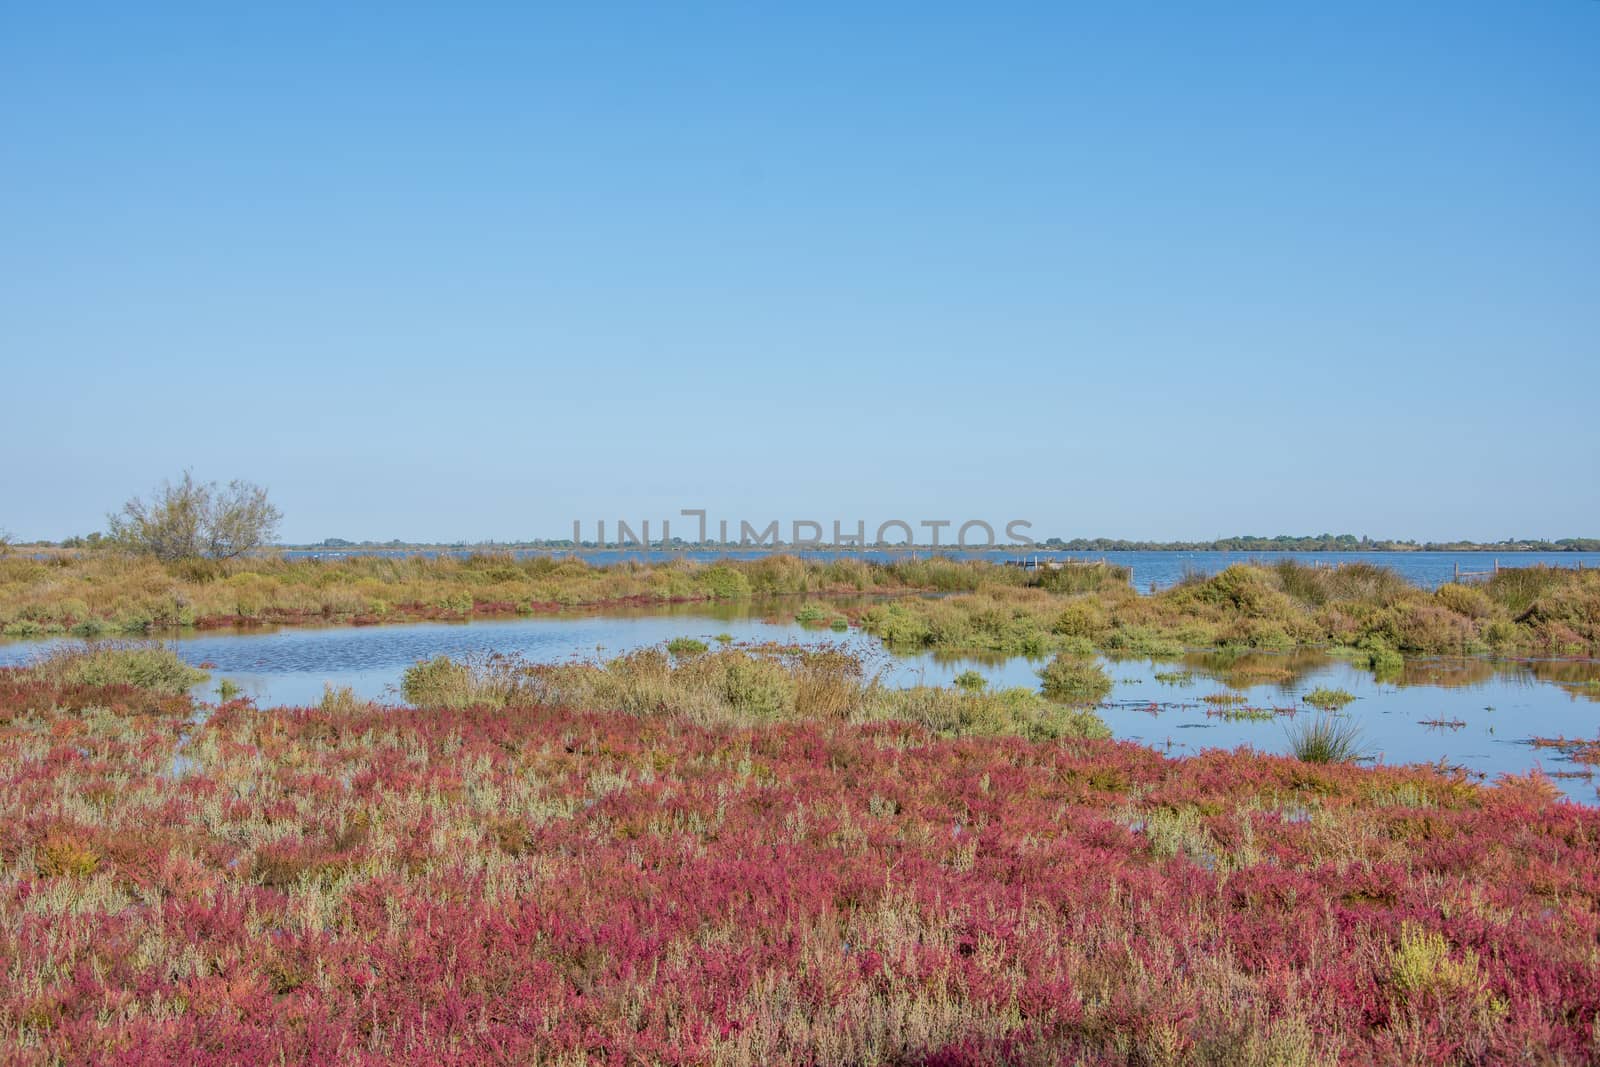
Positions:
{"x": 1458, "y": 570}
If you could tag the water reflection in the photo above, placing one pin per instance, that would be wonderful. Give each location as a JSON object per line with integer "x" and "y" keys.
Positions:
{"x": 1246, "y": 670}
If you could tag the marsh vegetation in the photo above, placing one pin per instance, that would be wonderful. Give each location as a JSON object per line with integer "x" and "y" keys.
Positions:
{"x": 749, "y": 685}
{"x": 734, "y": 857}
{"x": 1365, "y": 612}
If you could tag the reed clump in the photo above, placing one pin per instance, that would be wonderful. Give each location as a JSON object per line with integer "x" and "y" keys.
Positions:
{"x": 1326, "y": 739}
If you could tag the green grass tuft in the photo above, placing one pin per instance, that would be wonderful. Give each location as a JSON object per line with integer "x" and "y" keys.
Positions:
{"x": 1326, "y": 739}
{"x": 1328, "y": 699}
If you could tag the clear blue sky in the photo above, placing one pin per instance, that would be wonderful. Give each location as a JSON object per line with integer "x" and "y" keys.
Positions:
{"x": 472, "y": 271}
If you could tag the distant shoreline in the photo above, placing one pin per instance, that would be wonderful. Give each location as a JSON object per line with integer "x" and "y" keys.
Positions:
{"x": 1009, "y": 550}
{"x": 1308, "y": 547}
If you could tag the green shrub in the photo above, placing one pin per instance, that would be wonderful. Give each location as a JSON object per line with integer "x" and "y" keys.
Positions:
{"x": 1421, "y": 966}
{"x": 1518, "y": 588}
{"x": 970, "y": 681}
{"x": 1076, "y": 646}
{"x": 1259, "y": 633}
{"x": 725, "y": 583}
{"x": 1082, "y": 577}
{"x": 1141, "y": 641}
{"x": 340, "y": 701}
{"x": 757, "y": 688}
{"x": 1382, "y": 659}
{"x": 1081, "y": 617}
{"x": 1466, "y": 600}
{"x": 1328, "y": 699}
{"x": 153, "y": 667}
{"x": 777, "y": 575}
{"x": 1072, "y": 680}
{"x": 1238, "y": 589}
{"x": 1501, "y": 634}
{"x": 441, "y": 682}
{"x": 686, "y": 646}
{"x": 1301, "y": 581}
{"x": 898, "y": 626}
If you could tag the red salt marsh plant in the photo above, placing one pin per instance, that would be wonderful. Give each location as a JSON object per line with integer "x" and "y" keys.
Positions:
{"x": 1578, "y": 751}
{"x": 540, "y": 884}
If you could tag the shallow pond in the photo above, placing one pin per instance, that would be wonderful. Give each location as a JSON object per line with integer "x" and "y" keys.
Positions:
{"x": 1473, "y": 713}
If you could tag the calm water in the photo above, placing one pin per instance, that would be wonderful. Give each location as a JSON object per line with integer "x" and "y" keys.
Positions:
{"x": 1163, "y": 569}
{"x": 1471, "y": 713}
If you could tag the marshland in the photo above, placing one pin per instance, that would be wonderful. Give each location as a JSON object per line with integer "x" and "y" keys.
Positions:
{"x": 793, "y": 810}
{"x": 726, "y": 853}
{"x": 583, "y": 326}
{"x": 1504, "y": 659}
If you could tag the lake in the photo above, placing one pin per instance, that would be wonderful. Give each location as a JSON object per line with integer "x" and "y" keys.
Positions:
{"x": 1475, "y": 713}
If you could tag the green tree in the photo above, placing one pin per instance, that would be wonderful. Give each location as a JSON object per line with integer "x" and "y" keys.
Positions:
{"x": 192, "y": 520}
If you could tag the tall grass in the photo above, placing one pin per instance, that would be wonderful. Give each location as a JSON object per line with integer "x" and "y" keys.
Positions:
{"x": 1518, "y": 588}
{"x": 1326, "y": 739}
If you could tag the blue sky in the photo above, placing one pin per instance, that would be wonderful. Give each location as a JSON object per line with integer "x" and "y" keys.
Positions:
{"x": 473, "y": 271}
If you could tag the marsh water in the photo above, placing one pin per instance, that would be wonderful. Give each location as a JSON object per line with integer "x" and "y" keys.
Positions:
{"x": 1477, "y": 714}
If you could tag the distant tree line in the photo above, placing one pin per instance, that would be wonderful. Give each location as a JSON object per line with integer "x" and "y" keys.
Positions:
{"x": 220, "y": 522}
{"x": 1321, "y": 543}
